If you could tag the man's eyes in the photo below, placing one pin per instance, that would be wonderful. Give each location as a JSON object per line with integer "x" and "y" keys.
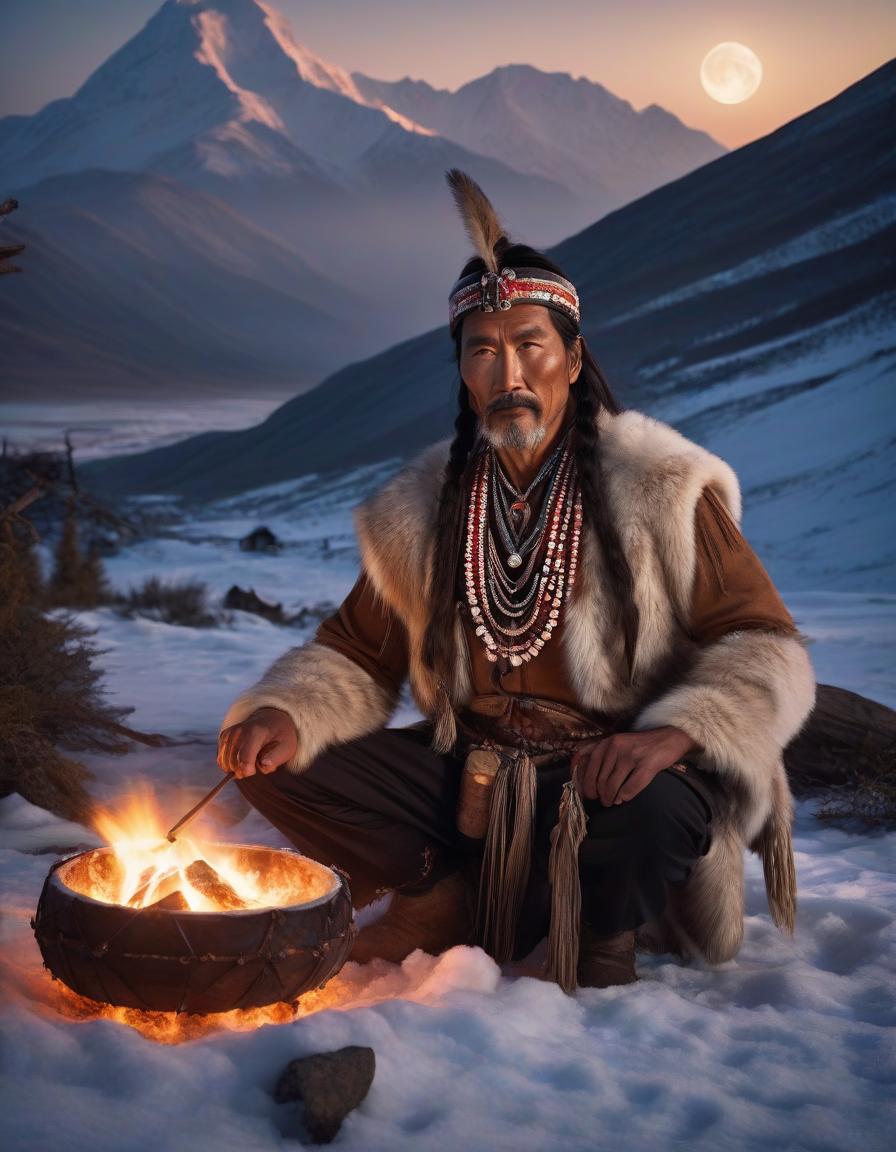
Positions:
{"x": 523, "y": 345}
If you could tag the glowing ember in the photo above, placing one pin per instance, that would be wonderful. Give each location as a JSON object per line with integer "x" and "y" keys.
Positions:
{"x": 173, "y": 1028}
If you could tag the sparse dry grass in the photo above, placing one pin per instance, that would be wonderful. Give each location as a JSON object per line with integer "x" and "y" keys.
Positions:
{"x": 175, "y": 602}
{"x": 867, "y": 797}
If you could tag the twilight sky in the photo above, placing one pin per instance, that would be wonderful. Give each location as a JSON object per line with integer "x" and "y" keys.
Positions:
{"x": 644, "y": 52}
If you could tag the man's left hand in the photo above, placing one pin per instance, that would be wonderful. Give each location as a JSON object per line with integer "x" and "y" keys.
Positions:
{"x": 615, "y": 768}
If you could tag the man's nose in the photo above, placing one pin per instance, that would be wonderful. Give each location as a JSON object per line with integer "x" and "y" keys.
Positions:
{"x": 508, "y": 377}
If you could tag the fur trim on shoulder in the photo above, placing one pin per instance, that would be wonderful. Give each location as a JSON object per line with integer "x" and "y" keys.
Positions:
{"x": 394, "y": 528}
{"x": 329, "y": 698}
{"x": 643, "y": 449}
{"x": 655, "y": 477}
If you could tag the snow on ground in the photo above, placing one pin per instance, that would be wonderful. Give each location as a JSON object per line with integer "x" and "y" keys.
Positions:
{"x": 790, "y": 1045}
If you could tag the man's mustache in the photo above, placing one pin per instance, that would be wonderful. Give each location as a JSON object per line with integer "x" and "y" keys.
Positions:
{"x": 513, "y": 400}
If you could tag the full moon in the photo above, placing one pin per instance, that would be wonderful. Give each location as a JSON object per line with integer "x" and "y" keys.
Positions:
{"x": 730, "y": 72}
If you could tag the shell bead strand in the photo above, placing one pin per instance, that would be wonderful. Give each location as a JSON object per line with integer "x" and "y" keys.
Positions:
{"x": 513, "y": 621}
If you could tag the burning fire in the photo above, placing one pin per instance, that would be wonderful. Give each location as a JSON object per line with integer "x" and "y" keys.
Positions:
{"x": 144, "y": 869}
{"x": 141, "y": 869}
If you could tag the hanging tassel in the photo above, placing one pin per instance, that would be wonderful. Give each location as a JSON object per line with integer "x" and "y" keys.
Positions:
{"x": 444, "y": 734}
{"x": 779, "y": 870}
{"x": 507, "y": 855}
{"x": 566, "y": 892}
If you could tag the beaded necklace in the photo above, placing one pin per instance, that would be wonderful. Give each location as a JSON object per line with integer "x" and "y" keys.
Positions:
{"x": 515, "y": 618}
{"x": 513, "y": 518}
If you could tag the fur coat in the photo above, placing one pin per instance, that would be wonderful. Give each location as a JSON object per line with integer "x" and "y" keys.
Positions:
{"x": 742, "y": 698}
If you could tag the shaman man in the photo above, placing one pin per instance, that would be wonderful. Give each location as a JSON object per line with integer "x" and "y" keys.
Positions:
{"x": 606, "y": 672}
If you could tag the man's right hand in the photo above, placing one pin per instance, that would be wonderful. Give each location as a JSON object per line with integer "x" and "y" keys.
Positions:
{"x": 260, "y": 743}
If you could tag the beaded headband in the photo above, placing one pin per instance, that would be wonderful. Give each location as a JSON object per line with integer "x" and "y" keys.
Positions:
{"x": 494, "y": 289}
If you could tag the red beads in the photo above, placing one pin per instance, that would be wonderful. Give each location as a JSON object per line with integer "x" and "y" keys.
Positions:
{"x": 539, "y": 593}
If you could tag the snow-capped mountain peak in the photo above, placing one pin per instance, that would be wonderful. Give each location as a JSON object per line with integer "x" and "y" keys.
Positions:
{"x": 197, "y": 69}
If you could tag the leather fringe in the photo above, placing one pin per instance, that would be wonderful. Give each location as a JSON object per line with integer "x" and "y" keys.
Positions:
{"x": 507, "y": 855}
{"x": 727, "y": 529}
{"x": 444, "y": 735}
{"x": 779, "y": 870}
{"x": 566, "y": 892}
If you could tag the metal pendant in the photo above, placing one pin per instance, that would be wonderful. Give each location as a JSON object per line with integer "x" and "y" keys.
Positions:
{"x": 519, "y": 514}
{"x": 514, "y": 560}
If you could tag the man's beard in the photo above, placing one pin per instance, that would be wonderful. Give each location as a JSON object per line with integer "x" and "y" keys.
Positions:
{"x": 510, "y": 433}
{"x": 514, "y": 437}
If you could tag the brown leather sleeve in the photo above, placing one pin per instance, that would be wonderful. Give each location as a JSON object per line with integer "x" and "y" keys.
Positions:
{"x": 366, "y": 631}
{"x": 732, "y": 589}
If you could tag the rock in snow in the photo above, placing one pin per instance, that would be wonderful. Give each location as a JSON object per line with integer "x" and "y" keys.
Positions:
{"x": 330, "y": 1085}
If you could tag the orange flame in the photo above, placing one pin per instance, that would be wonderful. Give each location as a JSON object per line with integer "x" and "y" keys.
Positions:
{"x": 155, "y": 868}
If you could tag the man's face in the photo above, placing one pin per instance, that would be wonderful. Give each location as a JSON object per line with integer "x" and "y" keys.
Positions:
{"x": 517, "y": 372}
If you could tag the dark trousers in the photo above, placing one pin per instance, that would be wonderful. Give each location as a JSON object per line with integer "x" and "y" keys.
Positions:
{"x": 382, "y": 808}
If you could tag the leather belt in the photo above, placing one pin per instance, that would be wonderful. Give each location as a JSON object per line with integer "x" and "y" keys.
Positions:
{"x": 546, "y": 731}
{"x": 539, "y": 727}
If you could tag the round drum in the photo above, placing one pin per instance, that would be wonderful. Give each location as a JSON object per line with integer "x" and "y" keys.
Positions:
{"x": 164, "y": 960}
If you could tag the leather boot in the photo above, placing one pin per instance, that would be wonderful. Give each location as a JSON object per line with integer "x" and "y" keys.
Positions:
{"x": 605, "y": 960}
{"x": 434, "y": 920}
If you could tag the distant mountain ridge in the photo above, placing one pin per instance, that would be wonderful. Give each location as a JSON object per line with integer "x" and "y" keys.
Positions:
{"x": 157, "y": 280}
{"x": 220, "y": 97}
{"x": 550, "y": 125}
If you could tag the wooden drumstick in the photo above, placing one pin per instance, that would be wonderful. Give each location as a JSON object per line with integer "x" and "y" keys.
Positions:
{"x": 198, "y": 807}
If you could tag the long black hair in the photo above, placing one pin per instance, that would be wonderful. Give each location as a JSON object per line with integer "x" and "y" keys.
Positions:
{"x": 591, "y": 392}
